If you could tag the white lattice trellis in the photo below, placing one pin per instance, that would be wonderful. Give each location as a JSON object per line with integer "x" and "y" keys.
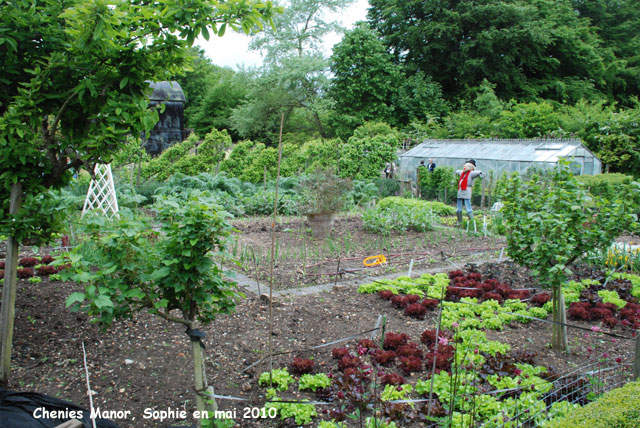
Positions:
{"x": 102, "y": 192}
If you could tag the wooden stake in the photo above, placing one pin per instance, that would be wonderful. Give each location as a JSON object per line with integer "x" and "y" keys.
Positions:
{"x": 273, "y": 240}
{"x": 7, "y": 314}
{"x": 636, "y": 362}
{"x": 200, "y": 377}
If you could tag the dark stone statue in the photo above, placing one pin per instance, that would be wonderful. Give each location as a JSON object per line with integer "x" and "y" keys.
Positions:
{"x": 170, "y": 127}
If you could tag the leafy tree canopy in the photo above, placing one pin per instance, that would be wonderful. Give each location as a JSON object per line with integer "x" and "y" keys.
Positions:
{"x": 528, "y": 49}
{"x": 75, "y": 76}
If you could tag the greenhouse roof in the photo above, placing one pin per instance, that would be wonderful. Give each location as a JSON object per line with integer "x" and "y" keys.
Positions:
{"x": 526, "y": 150}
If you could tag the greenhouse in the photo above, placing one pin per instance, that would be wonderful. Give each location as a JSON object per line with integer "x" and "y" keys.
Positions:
{"x": 506, "y": 155}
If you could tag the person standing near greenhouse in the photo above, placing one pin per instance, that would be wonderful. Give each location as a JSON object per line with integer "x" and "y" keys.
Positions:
{"x": 467, "y": 174}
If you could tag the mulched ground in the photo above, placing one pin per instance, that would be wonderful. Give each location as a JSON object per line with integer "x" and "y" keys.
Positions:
{"x": 145, "y": 363}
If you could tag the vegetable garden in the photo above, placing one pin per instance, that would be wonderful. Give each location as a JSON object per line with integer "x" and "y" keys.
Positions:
{"x": 391, "y": 345}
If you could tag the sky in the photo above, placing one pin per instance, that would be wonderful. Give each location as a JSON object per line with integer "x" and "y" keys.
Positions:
{"x": 232, "y": 49}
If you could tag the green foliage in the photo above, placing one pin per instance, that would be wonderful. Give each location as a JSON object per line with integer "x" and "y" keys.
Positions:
{"x": 433, "y": 184}
{"x": 190, "y": 156}
{"x": 75, "y": 79}
{"x": 530, "y": 50}
{"x": 384, "y": 221}
{"x": 362, "y": 192}
{"x": 39, "y": 218}
{"x": 437, "y": 208}
{"x": 551, "y": 225}
{"x": 162, "y": 166}
{"x": 397, "y": 214}
{"x": 367, "y": 151}
{"x": 612, "y": 297}
{"x": 323, "y": 192}
{"x": 488, "y": 314}
{"x": 279, "y": 377}
{"x": 126, "y": 268}
{"x": 431, "y": 285}
{"x": 313, "y": 382}
{"x": 365, "y": 79}
{"x": 618, "y": 408}
{"x": 607, "y": 186}
{"x": 387, "y": 187}
{"x": 302, "y": 413}
{"x": 393, "y": 392}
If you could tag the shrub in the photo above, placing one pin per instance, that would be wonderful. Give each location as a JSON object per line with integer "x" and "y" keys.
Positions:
{"x": 300, "y": 366}
{"x": 618, "y": 408}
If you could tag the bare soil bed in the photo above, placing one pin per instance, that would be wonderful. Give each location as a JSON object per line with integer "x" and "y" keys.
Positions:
{"x": 302, "y": 260}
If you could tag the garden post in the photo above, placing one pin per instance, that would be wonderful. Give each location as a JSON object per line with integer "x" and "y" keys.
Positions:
{"x": 7, "y": 314}
{"x": 200, "y": 377}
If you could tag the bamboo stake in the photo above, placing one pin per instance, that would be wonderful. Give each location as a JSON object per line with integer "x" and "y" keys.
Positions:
{"x": 86, "y": 373}
{"x": 273, "y": 240}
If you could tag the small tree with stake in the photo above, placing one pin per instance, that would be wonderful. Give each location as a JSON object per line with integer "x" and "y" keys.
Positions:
{"x": 171, "y": 274}
{"x": 551, "y": 222}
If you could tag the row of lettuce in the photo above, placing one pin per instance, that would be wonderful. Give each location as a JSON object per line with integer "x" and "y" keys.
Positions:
{"x": 477, "y": 381}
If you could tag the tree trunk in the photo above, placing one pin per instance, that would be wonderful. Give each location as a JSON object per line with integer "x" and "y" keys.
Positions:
{"x": 559, "y": 340}
{"x": 7, "y": 314}
{"x": 200, "y": 376}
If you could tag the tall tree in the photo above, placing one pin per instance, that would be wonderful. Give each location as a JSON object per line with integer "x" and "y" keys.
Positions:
{"x": 295, "y": 75}
{"x": 74, "y": 83}
{"x": 365, "y": 79}
{"x": 368, "y": 86}
{"x": 617, "y": 22}
{"x": 528, "y": 49}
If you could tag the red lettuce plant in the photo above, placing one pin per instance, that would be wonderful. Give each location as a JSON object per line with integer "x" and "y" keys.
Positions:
{"x": 399, "y": 301}
{"x": 348, "y": 361}
{"x": 385, "y": 294}
{"x": 28, "y": 261}
{"x": 392, "y": 379}
{"x": 300, "y": 366}
{"x": 46, "y": 270}
{"x": 384, "y": 358}
{"x": 410, "y": 364}
{"x": 394, "y": 340}
{"x": 47, "y": 259}
{"x": 338, "y": 353}
{"x": 415, "y": 310}
{"x": 25, "y": 273}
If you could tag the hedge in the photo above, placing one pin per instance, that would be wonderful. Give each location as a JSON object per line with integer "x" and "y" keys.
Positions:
{"x": 618, "y": 408}
{"x": 438, "y": 208}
